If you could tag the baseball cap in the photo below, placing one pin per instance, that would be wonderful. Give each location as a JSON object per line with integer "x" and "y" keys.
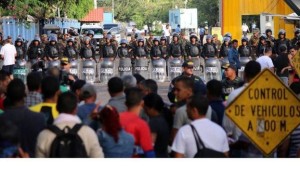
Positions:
{"x": 188, "y": 64}
{"x": 64, "y": 61}
{"x": 229, "y": 66}
{"x": 87, "y": 91}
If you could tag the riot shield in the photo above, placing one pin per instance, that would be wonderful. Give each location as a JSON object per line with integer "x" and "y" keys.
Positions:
{"x": 175, "y": 67}
{"x": 142, "y": 67}
{"x": 88, "y": 70}
{"x": 199, "y": 67}
{"x": 20, "y": 70}
{"x": 53, "y": 63}
{"x": 212, "y": 69}
{"x": 106, "y": 70}
{"x": 243, "y": 61}
{"x": 74, "y": 68}
{"x": 125, "y": 67}
{"x": 159, "y": 73}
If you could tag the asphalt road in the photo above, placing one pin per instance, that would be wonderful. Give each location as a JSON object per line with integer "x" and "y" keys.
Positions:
{"x": 103, "y": 95}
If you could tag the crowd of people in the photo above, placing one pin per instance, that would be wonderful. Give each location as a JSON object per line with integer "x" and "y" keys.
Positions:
{"x": 47, "y": 117}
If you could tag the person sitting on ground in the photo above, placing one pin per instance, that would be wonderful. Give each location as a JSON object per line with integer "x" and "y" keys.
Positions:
{"x": 67, "y": 107}
{"x": 114, "y": 140}
{"x": 116, "y": 92}
{"x": 34, "y": 80}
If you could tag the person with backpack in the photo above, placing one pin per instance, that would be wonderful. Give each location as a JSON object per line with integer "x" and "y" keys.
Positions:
{"x": 67, "y": 137}
{"x": 202, "y": 137}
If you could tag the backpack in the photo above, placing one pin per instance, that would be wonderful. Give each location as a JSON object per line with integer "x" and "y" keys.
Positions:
{"x": 47, "y": 111}
{"x": 204, "y": 152}
{"x": 67, "y": 143}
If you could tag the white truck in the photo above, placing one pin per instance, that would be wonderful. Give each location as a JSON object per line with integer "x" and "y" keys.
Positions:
{"x": 186, "y": 18}
{"x": 98, "y": 32}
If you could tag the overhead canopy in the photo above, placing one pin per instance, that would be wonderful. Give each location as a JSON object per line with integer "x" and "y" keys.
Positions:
{"x": 295, "y": 5}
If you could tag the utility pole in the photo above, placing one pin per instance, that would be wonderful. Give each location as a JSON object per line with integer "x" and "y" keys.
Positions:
{"x": 113, "y": 10}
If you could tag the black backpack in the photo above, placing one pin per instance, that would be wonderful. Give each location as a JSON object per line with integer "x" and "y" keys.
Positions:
{"x": 67, "y": 143}
{"x": 204, "y": 152}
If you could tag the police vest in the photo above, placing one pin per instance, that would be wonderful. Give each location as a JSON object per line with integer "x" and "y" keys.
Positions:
{"x": 176, "y": 50}
{"x": 210, "y": 50}
{"x": 53, "y": 52}
{"x": 225, "y": 51}
{"x": 282, "y": 43}
{"x": 140, "y": 52}
{"x": 245, "y": 51}
{"x": 71, "y": 52}
{"x": 194, "y": 50}
{"x": 124, "y": 52}
{"x": 20, "y": 52}
{"x": 157, "y": 51}
{"x": 87, "y": 52}
{"x": 164, "y": 50}
{"x": 109, "y": 52}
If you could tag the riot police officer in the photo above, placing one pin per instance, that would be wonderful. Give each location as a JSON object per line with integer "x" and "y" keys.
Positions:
{"x": 124, "y": 50}
{"x": 261, "y": 45}
{"x": 270, "y": 38}
{"x": 141, "y": 50}
{"x": 282, "y": 41}
{"x": 35, "y": 53}
{"x": 209, "y": 48}
{"x": 108, "y": 50}
{"x": 164, "y": 47}
{"x": 93, "y": 41}
{"x": 225, "y": 48}
{"x": 175, "y": 48}
{"x": 296, "y": 40}
{"x": 183, "y": 42}
{"x": 231, "y": 81}
{"x": 244, "y": 49}
{"x": 253, "y": 42}
{"x": 193, "y": 49}
{"x": 70, "y": 51}
{"x": 21, "y": 53}
{"x": 52, "y": 49}
{"x": 149, "y": 41}
{"x": 87, "y": 51}
{"x": 155, "y": 52}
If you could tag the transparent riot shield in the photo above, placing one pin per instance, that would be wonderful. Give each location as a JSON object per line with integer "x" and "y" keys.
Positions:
{"x": 142, "y": 67}
{"x": 159, "y": 73}
{"x": 199, "y": 67}
{"x": 175, "y": 68}
{"x": 53, "y": 63}
{"x": 88, "y": 70}
{"x": 107, "y": 70}
{"x": 74, "y": 68}
{"x": 20, "y": 70}
{"x": 243, "y": 61}
{"x": 125, "y": 67}
{"x": 212, "y": 69}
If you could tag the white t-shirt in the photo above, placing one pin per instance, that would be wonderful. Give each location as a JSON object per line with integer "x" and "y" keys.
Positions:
{"x": 245, "y": 28}
{"x": 8, "y": 52}
{"x": 265, "y": 62}
{"x": 167, "y": 32}
{"x": 211, "y": 134}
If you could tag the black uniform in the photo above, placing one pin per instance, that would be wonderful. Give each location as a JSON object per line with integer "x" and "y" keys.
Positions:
{"x": 141, "y": 51}
{"x": 52, "y": 51}
{"x": 244, "y": 51}
{"x": 193, "y": 50}
{"x": 87, "y": 52}
{"x": 224, "y": 50}
{"x": 123, "y": 52}
{"x": 155, "y": 51}
{"x": 108, "y": 51}
{"x": 282, "y": 42}
{"x": 21, "y": 53}
{"x": 164, "y": 51}
{"x": 35, "y": 52}
{"x": 229, "y": 85}
{"x": 176, "y": 50}
{"x": 71, "y": 52}
{"x": 209, "y": 50}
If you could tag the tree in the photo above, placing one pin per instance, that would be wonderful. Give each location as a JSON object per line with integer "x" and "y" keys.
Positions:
{"x": 208, "y": 10}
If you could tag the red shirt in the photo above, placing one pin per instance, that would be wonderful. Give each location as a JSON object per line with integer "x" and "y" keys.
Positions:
{"x": 138, "y": 128}
{"x": 1, "y": 103}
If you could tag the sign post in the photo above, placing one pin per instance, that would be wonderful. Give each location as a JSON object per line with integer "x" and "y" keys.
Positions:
{"x": 266, "y": 111}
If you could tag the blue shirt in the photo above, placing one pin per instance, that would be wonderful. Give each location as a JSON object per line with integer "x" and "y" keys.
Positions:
{"x": 178, "y": 30}
{"x": 233, "y": 57}
{"x": 202, "y": 31}
{"x": 84, "y": 112}
{"x": 122, "y": 149}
